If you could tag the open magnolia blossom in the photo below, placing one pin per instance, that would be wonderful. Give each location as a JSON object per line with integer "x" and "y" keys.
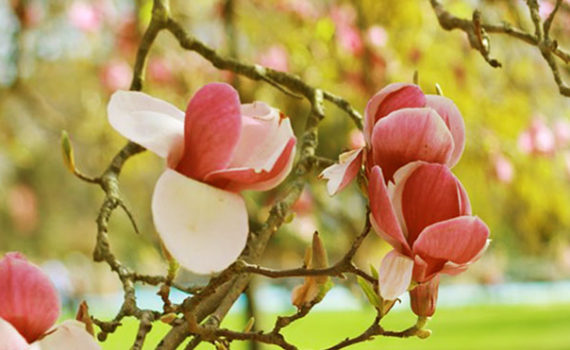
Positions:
{"x": 214, "y": 150}
{"x": 426, "y": 216}
{"x": 29, "y": 307}
{"x": 402, "y": 125}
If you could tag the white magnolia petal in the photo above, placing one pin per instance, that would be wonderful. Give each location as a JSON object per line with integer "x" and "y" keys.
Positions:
{"x": 395, "y": 275}
{"x": 203, "y": 227}
{"x": 10, "y": 339}
{"x": 340, "y": 174}
{"x": 69, "y": 335}
{"x": 148, "y": 121}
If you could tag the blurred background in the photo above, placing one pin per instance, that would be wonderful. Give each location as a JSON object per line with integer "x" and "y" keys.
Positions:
{"x": 61, "y": 60}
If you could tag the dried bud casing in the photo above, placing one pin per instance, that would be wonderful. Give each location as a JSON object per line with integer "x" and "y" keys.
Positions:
{"x": 83, "y": 316}
{"x": 424, "y": 297}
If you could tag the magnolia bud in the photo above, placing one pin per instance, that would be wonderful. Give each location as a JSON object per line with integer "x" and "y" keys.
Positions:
{"x": 67, "y": 151}
{"x": 424, "y": 297}
{"x": 320, "y": 259}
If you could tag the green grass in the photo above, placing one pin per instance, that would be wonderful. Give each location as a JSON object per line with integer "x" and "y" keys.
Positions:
{"x": 472, "y": 328}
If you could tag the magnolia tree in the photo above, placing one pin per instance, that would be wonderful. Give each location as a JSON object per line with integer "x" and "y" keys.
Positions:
{"x": 217, "y": 147}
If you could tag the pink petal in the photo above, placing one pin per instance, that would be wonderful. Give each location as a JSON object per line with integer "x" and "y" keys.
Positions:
{"x": 430, "y": 194}
{"x": 425, "y": 270}
{"x": 395, "y": 275}
{"x": 396, "y": 189}
{"x": 390, "y": 98}
{"x": 260, "y": 124}
{"x": 382, "y": 214}
{"x": 340, "y": 175}
{"x": 211, "y": 131}
{"x": 237, "y": 179}
{"x": 70, "y": 335}
{"x": 265, "y": 145}
{"x": 454, "y": 121}
{"x": 408, "y": 135}
{"x": 148, "y": 121}
{"x": 28, "y": 299}
{"x": 458, "y": 240}
{"x": 10, "y": 339}
{"x": 203, "y": 227}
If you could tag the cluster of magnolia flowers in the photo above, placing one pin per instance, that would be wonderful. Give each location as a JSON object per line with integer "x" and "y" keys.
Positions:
{"x": 417, "y": 205}
{"x": 218, "y": 148}
{"x": 29, "y": 307}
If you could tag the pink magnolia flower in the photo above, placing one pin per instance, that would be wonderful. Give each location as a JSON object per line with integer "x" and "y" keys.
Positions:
{"x": 214, "y": 150}
{"x": 377, "y": 36}
{"x": 29, "y": 307}
{"x": 84, "y": 16}
{"x": 538, "y": 139}
{"x": 116, "y": 75}
{"x": 426, "y": 217}
{"x": 159, "y": 70}
{"x": 562, "y": 133}
{"x": 402, "y": 125}
{"x": 504, "y": 170}
{"x": 275, "y": 57}
{"x": 348, "y": 37}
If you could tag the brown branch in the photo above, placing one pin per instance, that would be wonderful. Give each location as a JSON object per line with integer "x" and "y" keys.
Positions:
{"x": 343, "y": 266}
{"x": 376, "y": 330}
{"x": 476, "y": 34}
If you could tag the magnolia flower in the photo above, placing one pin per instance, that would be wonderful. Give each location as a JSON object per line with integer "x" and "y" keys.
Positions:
{"x": 29, "y": 307}
{"x": 504, "y": 170}
{"x": 402, "y": 125}
{"x": 115, "y": 75}
{"x": 85, "y": 16}
{"x": 214, "y": 150}
{"x": 426, "y": 216}
{"x": 537, "y": 138}
{"x": 275, "y": 57}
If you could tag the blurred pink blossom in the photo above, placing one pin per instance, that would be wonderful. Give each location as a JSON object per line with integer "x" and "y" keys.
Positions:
{"x": 343, "y": 15}
{"x": 545, "y": 9}
{"x": 84, "y": 16}
{"x": 275, "y": 57}
{"x": 537, "y": 139}
{"x": 377, "y": 36}
{"x": 347, "y": 33}
{"x": 504, "y": 170}
{"x": 302, "y": 8}
{"x": 304, "y": 205}
{"x": 356, "y": 139}
{"x": 349, "y": 39}
{"x": 562, "y": 133}
{"x": 23, "y": 208}
{"x": 116, "y": 75}
{"x": 160, "y": 71}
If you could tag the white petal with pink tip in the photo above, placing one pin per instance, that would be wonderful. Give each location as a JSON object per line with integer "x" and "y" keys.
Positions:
{"x": 10, "y": 339}
{"x": 69, "y": 335}
{"x": 148, "y": 121}
{"x": 340, "y": 174}
{"x": 395, "y": 275}
{"x": 203, "y": 227}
